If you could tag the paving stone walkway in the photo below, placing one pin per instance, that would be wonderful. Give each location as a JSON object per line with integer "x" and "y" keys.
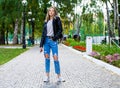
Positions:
{"x": 27, "y": 71}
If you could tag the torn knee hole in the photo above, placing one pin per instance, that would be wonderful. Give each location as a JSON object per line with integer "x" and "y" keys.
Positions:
{"x": 55, "y": 57}
{"x": 46, "y": 56}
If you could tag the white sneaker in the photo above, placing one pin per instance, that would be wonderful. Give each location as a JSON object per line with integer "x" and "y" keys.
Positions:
{"x": 46, "y": 79}
{"x": 60, "y": 79}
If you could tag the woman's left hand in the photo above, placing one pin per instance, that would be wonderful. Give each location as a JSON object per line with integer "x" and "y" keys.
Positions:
{"x": 41, "y": 49}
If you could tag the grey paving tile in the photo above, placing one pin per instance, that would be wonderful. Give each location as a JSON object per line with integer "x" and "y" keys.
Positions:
{"x": 27, "y": 71}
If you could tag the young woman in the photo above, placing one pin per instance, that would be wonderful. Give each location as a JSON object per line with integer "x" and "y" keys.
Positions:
{"x": 52, "y": 31}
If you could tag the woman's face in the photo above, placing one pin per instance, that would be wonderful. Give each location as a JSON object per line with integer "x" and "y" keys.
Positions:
{"x": 51, "y": 12}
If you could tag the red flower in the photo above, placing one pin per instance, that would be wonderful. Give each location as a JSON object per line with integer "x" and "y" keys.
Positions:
{"x": 80, "y": 48}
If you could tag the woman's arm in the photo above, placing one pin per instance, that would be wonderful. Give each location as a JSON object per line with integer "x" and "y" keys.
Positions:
{"x": 43, "y": 35}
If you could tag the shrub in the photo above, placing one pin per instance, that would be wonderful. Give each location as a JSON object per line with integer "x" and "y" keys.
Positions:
{"x": 116, "y": 63}
{"x": 66, "y": 43}
{"x": 109, "y": 58}
{"x": 95, "y": 54}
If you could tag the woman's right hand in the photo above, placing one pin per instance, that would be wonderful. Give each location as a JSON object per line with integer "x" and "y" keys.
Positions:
{"x": 41, "y": 49}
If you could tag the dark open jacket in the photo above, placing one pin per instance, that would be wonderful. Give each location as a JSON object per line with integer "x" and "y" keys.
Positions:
{"x": 57, "y": 29}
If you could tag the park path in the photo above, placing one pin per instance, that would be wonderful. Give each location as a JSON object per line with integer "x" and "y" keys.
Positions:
{"x": 27, "y": 71}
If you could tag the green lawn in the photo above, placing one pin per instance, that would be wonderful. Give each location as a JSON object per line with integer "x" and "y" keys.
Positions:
{"x": 8, "y": 54}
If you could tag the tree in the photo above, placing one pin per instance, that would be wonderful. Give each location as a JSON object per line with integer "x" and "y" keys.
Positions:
{"x": 11, "y": 19}
{"x": 2, "y": 25}
{"x": 9, "y": 16}
{"x": 87, "y": 21}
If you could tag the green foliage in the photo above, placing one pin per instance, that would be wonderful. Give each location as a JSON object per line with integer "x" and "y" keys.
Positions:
{"x": 87, "y": 20}
{"x": 8, "y": 54}
{"x": 10, "y": 10}
{"x": 92, "y": 24}
{"x": 72, "y": 42}
{"x": 106, "y": 49}
{"x": 116, "y": 63}
{"x": 100, "y": 23}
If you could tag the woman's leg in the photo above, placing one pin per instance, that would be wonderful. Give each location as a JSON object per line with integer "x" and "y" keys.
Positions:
{"x": 54, "y": 47}
{"x": 47, "y": 65}
{"x": 57, "y": 67}
{"x": 47, "y": 57}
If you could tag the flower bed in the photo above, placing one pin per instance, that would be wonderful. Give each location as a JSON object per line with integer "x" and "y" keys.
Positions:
{"x": 95, "y": 54}
{"x": 102, "y": 52}
{"x": 111, "y": 59}
{"x": 80, "y": 48}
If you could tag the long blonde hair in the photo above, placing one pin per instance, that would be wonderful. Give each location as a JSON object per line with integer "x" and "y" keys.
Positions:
{"x": 47, "y": 15}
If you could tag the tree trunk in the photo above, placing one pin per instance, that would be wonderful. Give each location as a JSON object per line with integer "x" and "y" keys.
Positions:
{"x": 119, "y": 32}
{"x": 21, "y": 39}
{"x": 33, "y": 24}
{"x": 2, "y": 35}
{"x": 108, "y": 21}
{"x": 7, "y": 36}
{"x": 115, "y": 14}
{"x": 15, "y": 38}
{"x": 118, "y": 20}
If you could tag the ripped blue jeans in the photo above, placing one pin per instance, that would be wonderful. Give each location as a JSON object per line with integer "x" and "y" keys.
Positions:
{"x": 51, "y": 45}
